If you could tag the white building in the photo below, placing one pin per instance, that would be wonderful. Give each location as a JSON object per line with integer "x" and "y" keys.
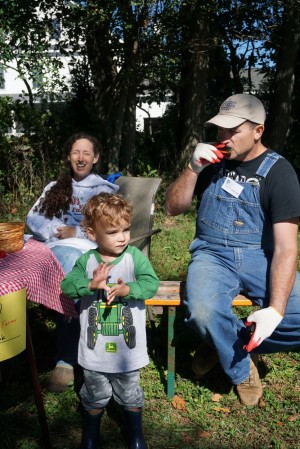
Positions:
{"x": 13, "y": 86}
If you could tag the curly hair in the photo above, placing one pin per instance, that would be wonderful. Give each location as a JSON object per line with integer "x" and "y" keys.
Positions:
{"x": 59, "y": 197}
{"x": 111, "y": 208}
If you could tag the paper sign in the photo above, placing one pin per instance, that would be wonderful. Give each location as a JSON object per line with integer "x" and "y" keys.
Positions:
{"x": 232, "y": 187}
{"x": 12, "y": 324}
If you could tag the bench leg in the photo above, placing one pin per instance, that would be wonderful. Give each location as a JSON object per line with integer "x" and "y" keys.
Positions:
{"x": 171, "y": 353}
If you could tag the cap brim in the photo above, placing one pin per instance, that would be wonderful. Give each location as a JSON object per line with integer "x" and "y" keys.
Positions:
{"x": 225, "y": 121}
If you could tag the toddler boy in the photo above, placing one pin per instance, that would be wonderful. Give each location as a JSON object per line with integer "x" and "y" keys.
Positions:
{"x": 112, "y": 281}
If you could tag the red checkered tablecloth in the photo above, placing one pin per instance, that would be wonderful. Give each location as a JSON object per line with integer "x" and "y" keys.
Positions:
{"x": 36, "y": 269}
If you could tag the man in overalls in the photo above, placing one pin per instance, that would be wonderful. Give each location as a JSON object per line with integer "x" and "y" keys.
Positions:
{"x": 246, "y": 240}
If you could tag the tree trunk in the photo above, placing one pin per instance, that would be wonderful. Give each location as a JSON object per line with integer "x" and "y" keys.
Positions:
{"x": 115, "y": 88}
{"x": 279, "y": 118}
{"x": 194, "y": 82}
{"x": 127, "y": 156}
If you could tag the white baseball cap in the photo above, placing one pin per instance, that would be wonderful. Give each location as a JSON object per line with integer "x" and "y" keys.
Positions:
{"x": 237, "y": 109}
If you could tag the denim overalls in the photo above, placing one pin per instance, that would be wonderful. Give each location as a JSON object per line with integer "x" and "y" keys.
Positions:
{"x": 232, "y": 251}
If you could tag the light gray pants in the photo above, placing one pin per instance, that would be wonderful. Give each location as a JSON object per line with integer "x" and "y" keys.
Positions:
{"x": 98, "y": 388}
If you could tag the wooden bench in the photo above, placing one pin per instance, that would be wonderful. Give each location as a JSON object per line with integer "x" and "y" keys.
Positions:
{"x": 170, "y": 294}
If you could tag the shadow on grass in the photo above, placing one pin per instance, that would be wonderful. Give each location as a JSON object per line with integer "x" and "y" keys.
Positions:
{"x": 186, "y": 342}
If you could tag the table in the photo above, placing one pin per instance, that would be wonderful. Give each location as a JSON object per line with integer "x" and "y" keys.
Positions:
{"x": 36, "y": 269}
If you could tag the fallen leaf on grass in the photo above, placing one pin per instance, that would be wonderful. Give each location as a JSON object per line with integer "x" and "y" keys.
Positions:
{"x": 292, "y": 418}
{"x": 204, "y": 434}
{"x": 280, "y": 423}
{"x": 222, "y": 409}
{"x": 261, "y": 403}
{"x": 179, "y": 403}
{"x": 216, "y": 397}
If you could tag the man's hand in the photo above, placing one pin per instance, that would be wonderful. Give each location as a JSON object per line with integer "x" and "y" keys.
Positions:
{"x": 204, "y": 155}
{"x": 266, "y": 321}
{"x": 100, "y": 276}
{"x": 65, "y": 232}
{"x": 119, "y": 289}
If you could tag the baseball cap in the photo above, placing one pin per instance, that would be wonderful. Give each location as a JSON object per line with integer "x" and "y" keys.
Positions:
{"x": 238, "y": 108}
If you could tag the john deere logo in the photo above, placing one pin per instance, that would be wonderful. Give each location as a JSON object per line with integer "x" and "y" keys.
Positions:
{"x": 111, "y": 347}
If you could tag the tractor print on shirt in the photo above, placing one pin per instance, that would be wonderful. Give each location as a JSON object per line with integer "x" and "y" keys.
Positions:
{"x": 110, "y": 320}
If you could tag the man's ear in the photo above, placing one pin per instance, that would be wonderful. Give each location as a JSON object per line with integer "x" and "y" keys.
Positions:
{"x": 91, "y": 234}
{"x": 259, "y": 129}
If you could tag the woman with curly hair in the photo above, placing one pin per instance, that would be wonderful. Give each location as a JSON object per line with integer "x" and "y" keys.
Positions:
{"x": 55, "y": 219}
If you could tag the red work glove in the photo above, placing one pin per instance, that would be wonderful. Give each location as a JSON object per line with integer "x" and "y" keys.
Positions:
{"x": 204, "y": 155}
{"x": 266, "y": 321}
{"x": 222, "y": 147}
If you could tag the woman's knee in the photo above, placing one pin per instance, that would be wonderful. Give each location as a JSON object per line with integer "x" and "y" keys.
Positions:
{"x": 67, "y": 256}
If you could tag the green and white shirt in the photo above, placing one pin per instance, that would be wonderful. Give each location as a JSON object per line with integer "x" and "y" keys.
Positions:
{"x": 113, "y": 337}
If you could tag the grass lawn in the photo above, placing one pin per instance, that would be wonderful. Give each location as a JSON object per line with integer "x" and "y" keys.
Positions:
{"x": 204, "y": 414}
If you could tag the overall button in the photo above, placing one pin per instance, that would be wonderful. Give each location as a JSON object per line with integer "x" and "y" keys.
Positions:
{"x": 238, "y": 223}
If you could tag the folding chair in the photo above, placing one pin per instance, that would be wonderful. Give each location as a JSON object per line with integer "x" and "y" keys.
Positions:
{"x": 141, "y": 192}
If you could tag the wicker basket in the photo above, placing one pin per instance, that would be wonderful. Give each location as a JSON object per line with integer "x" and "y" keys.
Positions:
{"x": 11, "y": 236}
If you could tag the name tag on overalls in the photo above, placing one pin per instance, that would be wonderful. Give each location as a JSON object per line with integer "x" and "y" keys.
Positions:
{"x": 232, "y": 187}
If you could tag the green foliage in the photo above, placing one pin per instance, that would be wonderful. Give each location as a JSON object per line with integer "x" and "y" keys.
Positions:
{"x": 23, "y": 175}
{"x": 150, "y": 42}
{"x": 161, "y": 35}
{"x": 6, "y": 113}
{"x": 145, "y": 170}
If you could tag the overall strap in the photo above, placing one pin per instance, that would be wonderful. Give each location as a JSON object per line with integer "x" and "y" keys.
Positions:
{"x": 267, "y": 164}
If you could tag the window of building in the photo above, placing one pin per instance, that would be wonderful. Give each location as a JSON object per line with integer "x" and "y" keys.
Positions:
{"x": 56, "y": 29}
{"x": 37, "y": 79}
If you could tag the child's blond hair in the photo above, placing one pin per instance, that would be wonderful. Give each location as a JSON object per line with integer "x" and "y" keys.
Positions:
{"x": 111, "y": 208}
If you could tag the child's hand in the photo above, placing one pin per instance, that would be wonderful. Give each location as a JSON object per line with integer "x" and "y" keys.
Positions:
{"x": 119, "y": 289}
{"x": 100, "y": 277}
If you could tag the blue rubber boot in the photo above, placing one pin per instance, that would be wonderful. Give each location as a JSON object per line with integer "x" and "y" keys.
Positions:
{"x": 134, "y": 430}
{"x": 91, "y": 431}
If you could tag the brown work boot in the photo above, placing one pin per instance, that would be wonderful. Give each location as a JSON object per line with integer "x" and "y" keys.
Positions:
{"x": 250, "y": 391}
{"x": 61, "y": 378}
{"x": 205, "y": 358}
